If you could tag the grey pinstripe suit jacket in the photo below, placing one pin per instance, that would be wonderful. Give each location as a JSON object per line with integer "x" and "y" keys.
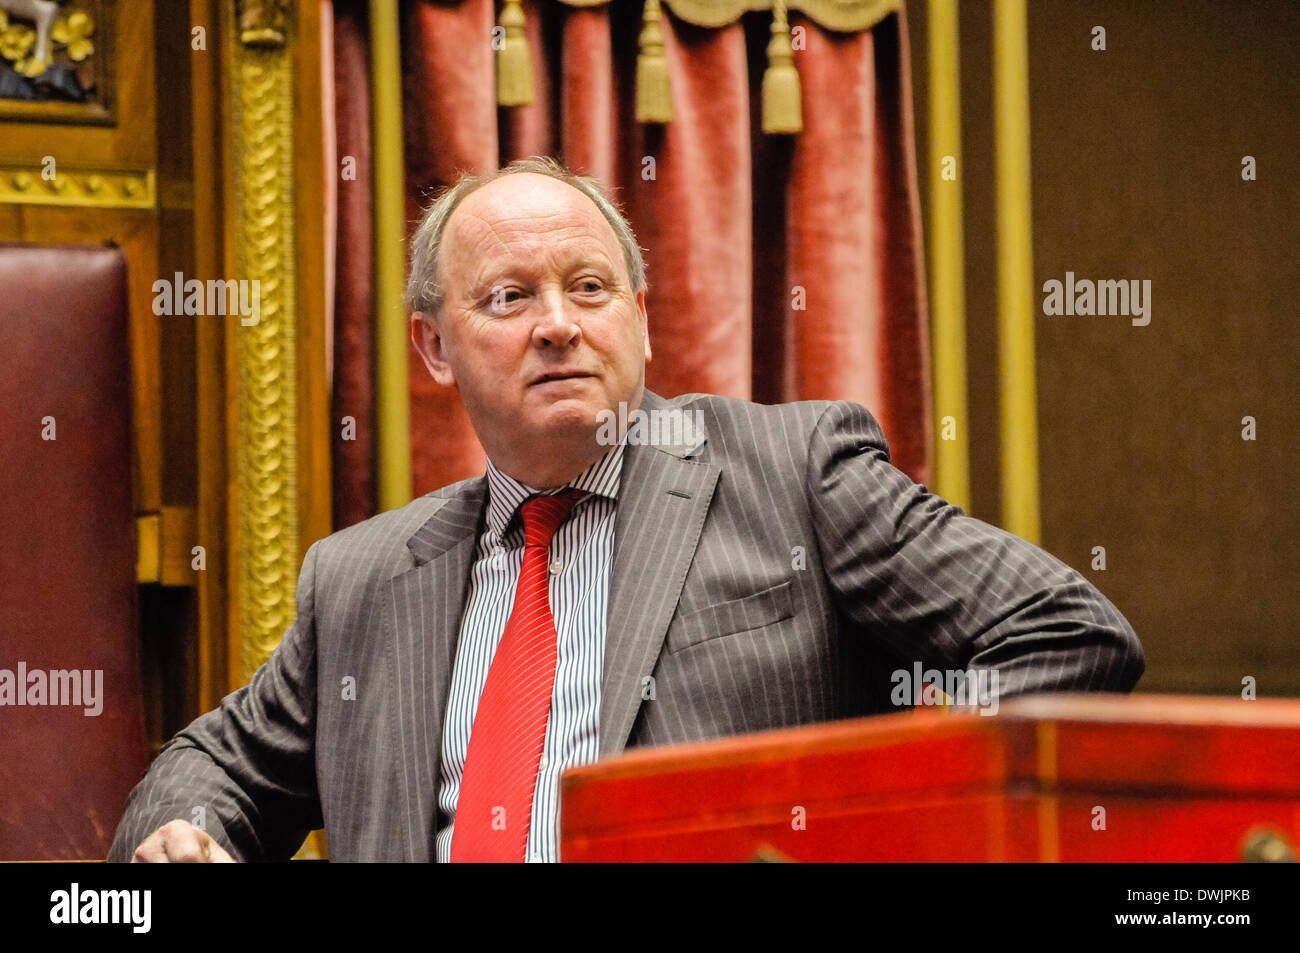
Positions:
{"x": 703, "y": 597}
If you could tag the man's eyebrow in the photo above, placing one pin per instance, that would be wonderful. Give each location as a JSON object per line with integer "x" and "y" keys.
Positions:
{"x": 481, "y": 286}
{"x": 598, "y": 263}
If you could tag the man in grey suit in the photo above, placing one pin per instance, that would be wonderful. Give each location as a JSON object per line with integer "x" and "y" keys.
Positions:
{"x": 727, "y": 567}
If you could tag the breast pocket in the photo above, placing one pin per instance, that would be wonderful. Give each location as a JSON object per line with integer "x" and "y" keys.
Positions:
{"x": 731, "y": 618}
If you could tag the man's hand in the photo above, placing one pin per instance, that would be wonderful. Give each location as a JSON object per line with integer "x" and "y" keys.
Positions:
{"x": 180, "y": 842}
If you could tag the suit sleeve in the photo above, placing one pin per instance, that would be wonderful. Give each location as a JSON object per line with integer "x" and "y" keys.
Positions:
{"x": 247, "y": 768}
{"x": 950, "y": 591}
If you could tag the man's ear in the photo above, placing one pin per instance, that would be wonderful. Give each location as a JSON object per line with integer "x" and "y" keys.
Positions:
{"x": 645, "y": 322}
{"x": 427, "y": 338}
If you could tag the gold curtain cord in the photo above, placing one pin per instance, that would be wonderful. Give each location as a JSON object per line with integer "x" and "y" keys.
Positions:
{"x": 654, "y": 90}
{"x": 782, "y": 96}
{"x": 514, "y": 62}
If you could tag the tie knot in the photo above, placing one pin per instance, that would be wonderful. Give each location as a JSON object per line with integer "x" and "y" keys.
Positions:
{"x": 542, "y": 515}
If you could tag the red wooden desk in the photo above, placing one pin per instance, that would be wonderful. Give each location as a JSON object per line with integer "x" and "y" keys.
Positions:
{"x": 1172, "y": 778}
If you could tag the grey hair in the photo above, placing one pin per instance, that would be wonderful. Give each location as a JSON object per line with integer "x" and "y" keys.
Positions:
{"x": 423, "y": 291}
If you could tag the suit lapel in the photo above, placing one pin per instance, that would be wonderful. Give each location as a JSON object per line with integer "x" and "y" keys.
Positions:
{"x": 425, "y": 604}
{"x": 663, "y": 499}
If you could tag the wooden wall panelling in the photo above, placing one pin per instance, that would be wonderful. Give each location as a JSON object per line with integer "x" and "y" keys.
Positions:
{"x": 209, "y": 372}
{"x": 1137, "y": 174}
{"x": 315, "y": 287}
{"x": 9, "y": 223}
{"x": 129, "y": 145}
{"x": 165, "y": 136}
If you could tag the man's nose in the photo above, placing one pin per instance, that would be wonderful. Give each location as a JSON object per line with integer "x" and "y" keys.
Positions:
{"x": 555, "y": 326}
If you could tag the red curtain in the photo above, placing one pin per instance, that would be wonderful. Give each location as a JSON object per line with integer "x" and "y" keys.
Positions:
{"x": 737, "y": 224}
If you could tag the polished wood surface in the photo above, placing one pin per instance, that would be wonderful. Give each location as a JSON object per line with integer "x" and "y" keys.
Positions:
{"x": 1066, "y": 777}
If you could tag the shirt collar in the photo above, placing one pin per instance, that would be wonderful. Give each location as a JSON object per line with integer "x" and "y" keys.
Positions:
{"x": 505, "y": 493}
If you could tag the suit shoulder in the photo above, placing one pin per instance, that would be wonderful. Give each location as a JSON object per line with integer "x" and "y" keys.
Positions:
{"x": 738, "y": 413}
{"x": 380, "y": 541}
{"x": 785, "y": 436}
{"x": 764, "y": 424}
{"x": 771, "y": 442}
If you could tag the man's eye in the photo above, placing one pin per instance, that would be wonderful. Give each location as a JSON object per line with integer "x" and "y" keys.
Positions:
{"x": 590, "y": 285}
{"x": 501, "y": 297}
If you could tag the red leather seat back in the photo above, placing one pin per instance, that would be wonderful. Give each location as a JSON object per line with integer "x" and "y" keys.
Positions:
{"x": 68, "y": 597}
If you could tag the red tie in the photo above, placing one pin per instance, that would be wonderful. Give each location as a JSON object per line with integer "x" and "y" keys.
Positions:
{"x": 495, "y": 804}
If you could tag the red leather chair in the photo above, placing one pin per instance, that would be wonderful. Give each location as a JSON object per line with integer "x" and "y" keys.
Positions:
{"x": 68, "y": 596}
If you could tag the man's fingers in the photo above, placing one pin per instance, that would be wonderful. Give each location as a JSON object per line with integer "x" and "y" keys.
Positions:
{"x": 179, "y": 842}
{"x": 150, "y": 851}
{"x": 216, "y": 853}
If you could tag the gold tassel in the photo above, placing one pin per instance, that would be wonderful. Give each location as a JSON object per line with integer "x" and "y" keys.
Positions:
{"x": 654, "y": 90}
{"x": 514, "y": 63}
{"x": 782, "y": 107}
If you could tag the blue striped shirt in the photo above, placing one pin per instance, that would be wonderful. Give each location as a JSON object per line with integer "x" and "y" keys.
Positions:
{"x": 581, "y": 555}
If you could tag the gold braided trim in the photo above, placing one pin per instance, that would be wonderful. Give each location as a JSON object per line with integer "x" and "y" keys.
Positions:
{"x": 266, "y": 393}
{"x": 844, "y": 16}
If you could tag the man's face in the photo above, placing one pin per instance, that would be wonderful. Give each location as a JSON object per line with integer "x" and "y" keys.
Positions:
{"x": 540, "y": 330}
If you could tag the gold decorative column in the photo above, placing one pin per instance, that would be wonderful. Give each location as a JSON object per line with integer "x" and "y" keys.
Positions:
{"x": 1017, "y": 372}
{"x": 947, "y": 259}
{"x": 392, "y": 335}
{"x": 260, "y": 170}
